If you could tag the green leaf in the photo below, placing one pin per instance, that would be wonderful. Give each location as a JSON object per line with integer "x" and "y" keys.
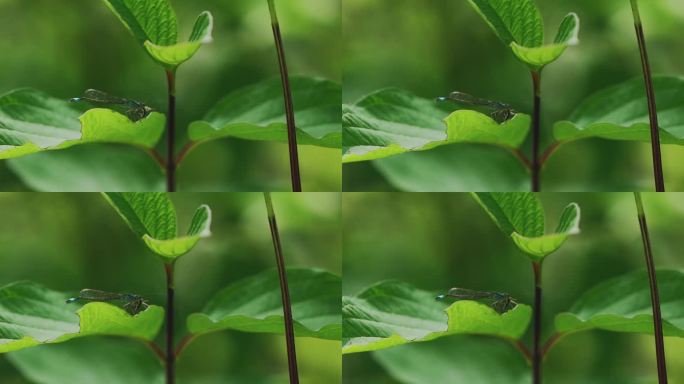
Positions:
{"x": 521, "y": 216}
{"x": 459, "y": 359}
{"x": 623, "y": 304}
{"x": 153, "y": 23}
{"x": 257, "y": 112}
{"x": 393, "y": 121}
{"x": 87, "y": 361}
{"x": 393, "y": 313}
{"x": 152, "y": 217}
{"x": 32, "y": 121}
{"x": 513, "y": 21}
{"x": 174, "y": 55}
{"x": 90, "y": 168}
{"x": 254, "y": 304}
{"x": 518, "y": 25}
{"x": 450, "y": 169}
{"x": 150, "y": 20}
{"x": 32, "y": 315}
{"x": 620, "y": 112}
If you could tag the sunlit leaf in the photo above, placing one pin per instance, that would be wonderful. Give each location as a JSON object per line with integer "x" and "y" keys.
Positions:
{"x": 392, "y": 121}
{"x": 254, "y": 304}
{"x": 623, "y": 304}
{"x": 32, "y": 121}
{"x": 620, "y": 112}
{"x": 32, "y": 315}
{"x": 257, "y": 112}
{"x": 393, "y": 313}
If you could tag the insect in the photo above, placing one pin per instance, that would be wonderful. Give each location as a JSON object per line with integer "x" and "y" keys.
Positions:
{"x": 133, "y": 304}
{"x": 134, "y": 110}
{"x": 501, "y": 111}
{"x": 501, "y": 302}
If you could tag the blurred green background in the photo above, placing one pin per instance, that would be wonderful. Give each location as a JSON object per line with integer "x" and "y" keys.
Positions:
{"x": 65, "y": 47}
{"x": 72, "y": 241}
{"x": 432, "y": 47}
{"x": 438, "y": 241}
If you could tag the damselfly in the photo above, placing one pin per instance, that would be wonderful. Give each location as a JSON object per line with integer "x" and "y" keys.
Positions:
{"x": 501, "y": 111}
{"x": 501, "y": 302}
{"x": 134, "y": 110}
{"x": 133, "y": 304}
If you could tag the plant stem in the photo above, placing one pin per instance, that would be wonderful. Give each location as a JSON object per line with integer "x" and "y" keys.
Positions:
{"x": 536, "y": 351}
{"x": 171, "y": 133}
{"x": 551, "y": 342}
{"x": 284, "y": 291}
{"x": 157, "y": 351}
{"x": 536, "y": 130}
{"x": 289, "y": 105}
{"x": 650, "y": 95}
{"x": 183, "y": 344}
{"x": 655, "y": 299}
{"x": 522, "y": 348}
{"x": 170, "y": 349}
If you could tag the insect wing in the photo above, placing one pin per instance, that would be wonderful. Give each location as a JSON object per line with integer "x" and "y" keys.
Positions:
{"x": 467, "y": 294}
{"x": 97, "y": 295}
{"x": 95, "y": 96}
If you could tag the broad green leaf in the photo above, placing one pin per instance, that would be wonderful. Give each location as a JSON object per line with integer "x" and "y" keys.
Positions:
{"x": 450, "y": 169}
{"x": 32, "y": 315}
{"x": 254, "y": 304}
{"x": 459, "y": 359}
{"x": 32, "y": 121}
{"x": 150, "y": 20}
{"x": 393, "y": 313}
{"x": 152, "y": 217}
{"x": 521, "y": 216}
{"x": 623, "y": 304}
{"x": 153, "y": 24}
{"x": 88, "y": 361}
{"x": 620, "y": 112}
{"x": 90, "y": 168}
{"x": 513, "y": 21}
{"x": 149, "y": 214}
{"x": 257, "y": 112}
{"x": 519, "y": 25}
{"x": 393, "y": 121}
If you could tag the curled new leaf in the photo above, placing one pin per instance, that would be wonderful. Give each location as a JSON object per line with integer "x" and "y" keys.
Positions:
{"x": 521, "y": 216}
{"x": 152, "y": 217}
{"x": 518, "y": 24}
{"x": 153, "y": 23}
